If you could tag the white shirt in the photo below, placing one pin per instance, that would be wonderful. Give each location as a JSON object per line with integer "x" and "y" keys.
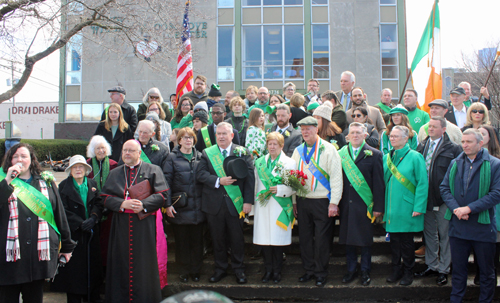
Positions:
{"x": 228, "y": 149}
{"x": 284, "y": 129}
{"x": 460, "y": 116}
{"x": 435, "y": 146}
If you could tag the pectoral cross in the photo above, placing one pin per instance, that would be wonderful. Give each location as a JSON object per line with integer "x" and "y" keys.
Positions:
{"x": 126, "y": 195}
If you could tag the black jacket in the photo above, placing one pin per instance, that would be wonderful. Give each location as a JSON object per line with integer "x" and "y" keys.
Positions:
{"x": 450, "y": 115}
{"x": 181, "y": 177}
{"x": 445, "y": 153}
{"x": 373, "y": 138}
{"x": 117, "y": 141}
{"x": 240, "y": 124}
{"x": 292, "y": 140}
{"x": 297, "y": 115}
{"x": 200, "y": 143}
{"x": 129, "y": 115}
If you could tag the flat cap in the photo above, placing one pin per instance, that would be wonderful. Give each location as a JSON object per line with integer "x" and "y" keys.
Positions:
{"x": 117, "y": 89}
{"x": 439, "y": 102}
{"x": 458, "y": 90}
{"x": 309, "y": 120}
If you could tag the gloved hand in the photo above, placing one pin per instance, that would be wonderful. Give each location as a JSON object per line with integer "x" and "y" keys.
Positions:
{"x": 89, "y": 223}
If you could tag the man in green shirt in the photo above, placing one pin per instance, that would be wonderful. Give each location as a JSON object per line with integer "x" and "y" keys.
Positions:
{"x": 263, "y": 100}
{"x": 416, "y": 116}
{"x": 385, "y": 104}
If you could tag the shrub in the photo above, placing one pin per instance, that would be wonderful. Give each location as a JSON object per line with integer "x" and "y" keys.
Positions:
{"x": 59, "y": 148}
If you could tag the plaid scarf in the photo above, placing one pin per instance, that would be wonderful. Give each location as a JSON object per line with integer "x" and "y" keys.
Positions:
{"x": 13, "y": 248}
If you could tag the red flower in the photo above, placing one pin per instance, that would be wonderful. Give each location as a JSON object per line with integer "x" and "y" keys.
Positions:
{"x": 303, "y": 182}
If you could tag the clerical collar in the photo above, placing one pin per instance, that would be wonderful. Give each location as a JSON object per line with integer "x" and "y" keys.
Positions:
{"x": 134, "y": 166}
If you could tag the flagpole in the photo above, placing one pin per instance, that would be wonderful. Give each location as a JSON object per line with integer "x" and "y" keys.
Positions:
{"x": 404, "y": 87}
{"x": 489, "y": 74}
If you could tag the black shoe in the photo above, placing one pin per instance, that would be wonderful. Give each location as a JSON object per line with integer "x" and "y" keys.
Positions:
{"x": 442, "y": 279}
{"x": 184, "y": 278}
{"x": 306, "y": 278}
{"x": 396, "y": 275}
{"x": 241, "y": 278}
{"x": 349, "y": 277}
{"x": 320, "y": 281}
{"x": 266, "y": 277}
{"x": 407, "y": 278}
{"x": 276, "y": 277}
{"x": 477, "y": 279}
{"x": 365, "y": 278}
{"x": 425, "y": 273}
{"x": 217, "y": 277}
{"x": 195, "y": 277}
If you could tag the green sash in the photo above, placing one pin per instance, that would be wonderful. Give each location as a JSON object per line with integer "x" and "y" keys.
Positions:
{"x": 384, "y": 107}
{"x": 206, "y": 136}
{"x": 401, "y": 179}
{"x": 144, "y": 157}
{"x": 233, "y": 191}
{"x": 484, "y": 187}
{"x": 286, "y": 216}
{"x": 33, "y": 200}
{"x": 357, "y": 180}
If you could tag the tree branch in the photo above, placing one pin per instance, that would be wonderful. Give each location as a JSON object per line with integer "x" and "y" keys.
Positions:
{"x": 13, "y": 6}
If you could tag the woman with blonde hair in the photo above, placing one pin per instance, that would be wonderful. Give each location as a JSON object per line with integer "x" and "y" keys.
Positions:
{"x": 115, "y": 130}
{"x": 153, "y": 95}
{"x": 255, "y": 140}
{"x": 477, "y": 115}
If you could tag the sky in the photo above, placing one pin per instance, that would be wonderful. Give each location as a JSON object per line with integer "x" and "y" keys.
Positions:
{"x": 465, "y": 26}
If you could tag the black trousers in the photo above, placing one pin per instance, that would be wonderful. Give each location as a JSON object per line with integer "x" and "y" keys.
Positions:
{"x": 273, "y": 257}
{"x": 189, "y": 247}
{"x": 403, "y": 246}
{"x": 224, "y": 229}
{"x": 32, "y": 292}
{"x": 315, "y": 231}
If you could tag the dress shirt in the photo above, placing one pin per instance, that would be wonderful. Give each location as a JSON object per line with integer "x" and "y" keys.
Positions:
{"x": 228, "y": 149}
{"x": 460, "y": 116}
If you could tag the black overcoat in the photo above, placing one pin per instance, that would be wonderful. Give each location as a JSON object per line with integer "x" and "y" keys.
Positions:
{"x": 117, "y": 141}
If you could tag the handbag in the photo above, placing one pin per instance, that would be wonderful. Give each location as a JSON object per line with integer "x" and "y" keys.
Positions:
{"x": 179, "y": 200}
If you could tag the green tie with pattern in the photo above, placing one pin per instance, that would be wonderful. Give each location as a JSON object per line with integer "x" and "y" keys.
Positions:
{"x": 428, "y": 157}
{"x": 224, "y": 153}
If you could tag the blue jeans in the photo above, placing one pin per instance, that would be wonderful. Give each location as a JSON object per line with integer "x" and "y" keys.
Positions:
{"x": 11, "y": 142}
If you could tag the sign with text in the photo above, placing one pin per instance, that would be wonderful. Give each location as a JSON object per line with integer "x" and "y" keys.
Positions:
{"x": 34, "y": 119}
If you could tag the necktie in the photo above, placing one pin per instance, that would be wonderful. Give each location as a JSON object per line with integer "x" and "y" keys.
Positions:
{"x": 281, "y": 131}
{"x": 346, "y": 101}
{"x": 428, "y": 158}
{"x": 224, "y": 153}
{"x": 355, "y": 153}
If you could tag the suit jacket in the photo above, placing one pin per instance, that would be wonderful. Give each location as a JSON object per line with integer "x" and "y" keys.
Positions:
{"x": 339, "y": 95}
{"x": 355, "y": 226}
{"x": 200, "y": 143}
{"x": 291, "y": 141}
{"x": 214, "y": 197}
{"x": 450, "y": 115}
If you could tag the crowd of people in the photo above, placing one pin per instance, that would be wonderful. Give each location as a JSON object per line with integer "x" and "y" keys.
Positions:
{"x": 285, "y": 160}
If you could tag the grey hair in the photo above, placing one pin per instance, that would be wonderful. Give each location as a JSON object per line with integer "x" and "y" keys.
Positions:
{"x": 403, "y": 129}
{"x": 226, "y": 125}
{"x": 357, "y": 124}
{"x": 349, "y": 73}
{"x": 289, "y": 84}
{"x": 152, "y": 90}
{"x": 386, "y": 89}
{"x": 94, "y": 142}
{"x": 475, "y": 132}
{"x": 282, "y": 106}
{"x": 149, "y": 123}
{"x": 464, "y": 83}
{"x": 441, "y": 120}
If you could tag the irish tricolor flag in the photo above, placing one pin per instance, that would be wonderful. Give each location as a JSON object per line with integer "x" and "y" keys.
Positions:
{"x": 426, "y": 65}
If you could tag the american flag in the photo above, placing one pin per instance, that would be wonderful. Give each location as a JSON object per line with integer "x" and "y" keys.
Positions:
{"x": 184, "y": 60}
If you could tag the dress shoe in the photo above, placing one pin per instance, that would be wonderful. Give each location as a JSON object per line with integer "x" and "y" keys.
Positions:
{"x": 276, "y": 277}
{"x": 306, "y": 278}
{"x": 349, "y": 276}
{"x": 407, "y": 279}
{"x": 266, "y": 277}
{"x": 442, "y": 279}
{"x": 241, "y": 278}
{"x": 425, "y": 273}
{"x": 217, "y": 277}
{"x": 184, "y": 278}
{"x": 320, "y": 281}
{"x": 365, "y": 278}
{"x": 396, "y": 275}
{"x": 195, "y": 277}
{"x": 420, "y": 252}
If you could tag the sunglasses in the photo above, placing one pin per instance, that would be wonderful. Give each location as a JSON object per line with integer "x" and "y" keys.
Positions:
{"x": 357, "y": 116}
{"x": 154, "y": 97}
{"x": 475, "y": 111}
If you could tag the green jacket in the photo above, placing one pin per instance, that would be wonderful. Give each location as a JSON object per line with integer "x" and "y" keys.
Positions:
{"x": 257, "y": 105}
{"x": 386, "y": 146}
{"x": 187, "y": 120}
{"x": 400, "y": 203}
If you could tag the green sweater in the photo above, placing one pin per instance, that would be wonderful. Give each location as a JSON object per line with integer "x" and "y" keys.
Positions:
{"x": 257, "y": 105}
{"x": 418, "y": 118}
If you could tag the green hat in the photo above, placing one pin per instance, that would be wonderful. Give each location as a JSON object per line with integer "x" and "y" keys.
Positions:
{"x": 270, "y": 109}
{"x": 312, "y": 105}
{"x": 399, "y": 109}
{"x": 309, "y": 120}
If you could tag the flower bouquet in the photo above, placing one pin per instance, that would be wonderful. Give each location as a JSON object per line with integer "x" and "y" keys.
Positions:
{"x": 295, "y": 179}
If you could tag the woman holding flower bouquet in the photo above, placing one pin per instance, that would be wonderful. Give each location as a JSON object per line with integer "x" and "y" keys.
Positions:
{"x": 273, "y": 209}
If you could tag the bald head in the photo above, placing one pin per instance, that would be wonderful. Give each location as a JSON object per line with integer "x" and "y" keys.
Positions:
{"x": 263, "y": 95}
{"x": 131, "y": 152}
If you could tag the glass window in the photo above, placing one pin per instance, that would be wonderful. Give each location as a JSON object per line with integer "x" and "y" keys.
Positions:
{"x": 225, "y": 3}
{"x": 74, "y": 60}
{"x": 225, "y": 46}
{"x": 272, "y": 2}
{"x": 293, "y": 2}
{"x": 319, "y": 2}
{"x": 321, "y": 51}
{"x": 389, "y": 51}
{"x": 294, "y": 51}
{"x": 393, "y": 2}
{"x": 388, "y": 33}
{"x": 91, "y": 111}
{"x": 73, "y": 111}
{"x": 252, "y": 52}
{"x": 251, "y": 2}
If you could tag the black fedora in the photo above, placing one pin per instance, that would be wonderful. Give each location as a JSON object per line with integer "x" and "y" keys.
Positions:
{"x": 235, "y": 167}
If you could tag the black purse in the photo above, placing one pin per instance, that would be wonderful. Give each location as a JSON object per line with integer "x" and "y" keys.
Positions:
{"x": 179, "y": 200}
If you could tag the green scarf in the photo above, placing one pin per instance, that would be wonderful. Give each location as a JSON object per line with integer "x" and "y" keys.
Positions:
{"x": 82, "y": 190}
{"x": 104, "y": 171}
{"x": 484, "y": 188}
{"x": 384, "y": 107}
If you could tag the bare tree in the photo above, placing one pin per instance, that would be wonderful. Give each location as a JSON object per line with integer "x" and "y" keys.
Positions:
{"x": 475, "y": 68}
{"x": 31, "y": 30}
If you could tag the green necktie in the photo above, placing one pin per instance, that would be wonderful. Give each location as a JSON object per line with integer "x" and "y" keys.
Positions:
{"x": 224, "y": 153}
{"x": 355, "y": 152}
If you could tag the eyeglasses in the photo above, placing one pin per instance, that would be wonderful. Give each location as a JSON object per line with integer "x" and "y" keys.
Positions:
{"x": 129, "y": 151}
{"x": 475, "y": 111}
{"x": 154, "y": 97}
{"x": 188, "y": 138}
{"x": 357, "y": 116}
{"x": 217, "y": 113}
{"x": 395, "y": 137}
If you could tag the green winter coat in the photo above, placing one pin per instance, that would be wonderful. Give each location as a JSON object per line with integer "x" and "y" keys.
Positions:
{"x": 400, "y": 203}
{"x": 386, "y": 146}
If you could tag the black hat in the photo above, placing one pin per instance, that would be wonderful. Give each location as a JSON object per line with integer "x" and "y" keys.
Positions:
{"x": 202, "y": 115}
{"x": 117, "y": 89}
{"x": 235, "y": 167}
{"x": 458, "y": 90}
{"x": 214, "y": 91}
